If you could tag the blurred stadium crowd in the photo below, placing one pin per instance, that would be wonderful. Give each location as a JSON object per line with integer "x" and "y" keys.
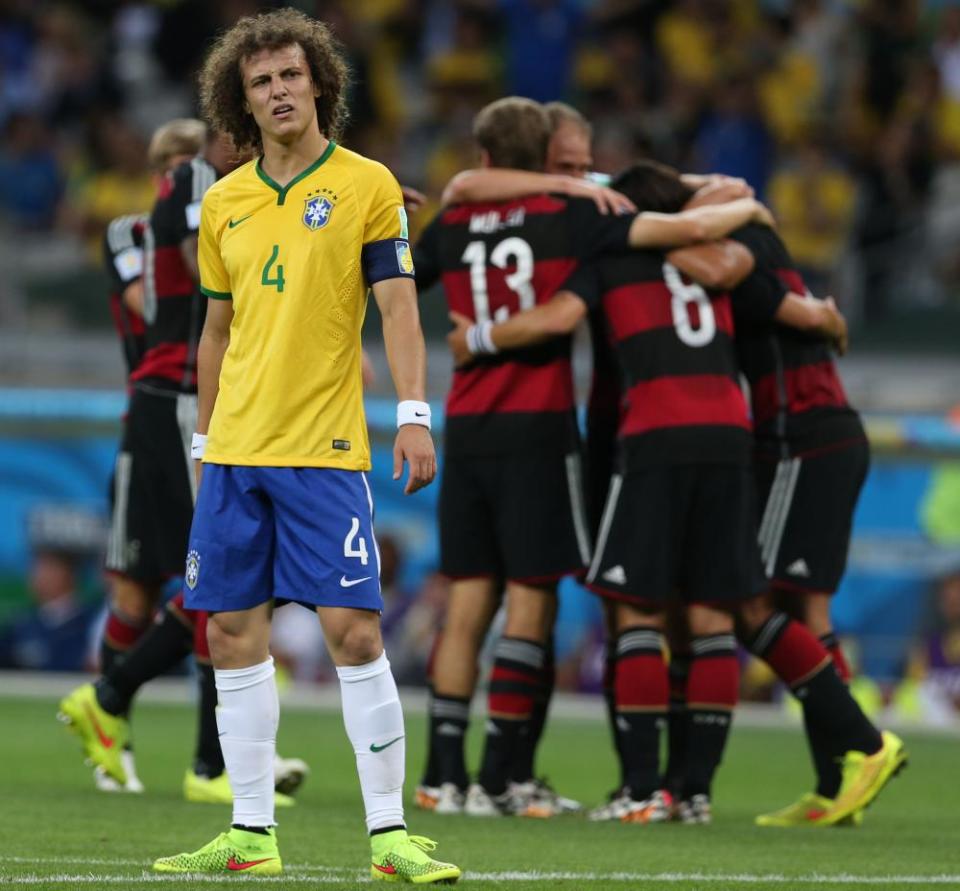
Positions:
{"x": 843, "y": 114}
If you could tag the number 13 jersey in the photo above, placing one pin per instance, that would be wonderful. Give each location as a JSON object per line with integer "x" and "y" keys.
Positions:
{"x": 496, "y": 260}
{"x": 297, "y": 262}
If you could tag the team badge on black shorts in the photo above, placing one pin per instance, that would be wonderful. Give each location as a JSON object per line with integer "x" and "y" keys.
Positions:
{"x": 192, "y": 572}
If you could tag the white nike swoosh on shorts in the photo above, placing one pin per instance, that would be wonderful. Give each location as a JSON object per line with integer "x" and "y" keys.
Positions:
{"x": 349, "y": 583}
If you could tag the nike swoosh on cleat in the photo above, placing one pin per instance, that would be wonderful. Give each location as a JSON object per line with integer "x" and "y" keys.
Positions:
{"x": 375, "y": 748}
{"x": 389, "y": 870}
{"x": 349, "y": 583}
{"x": 106, "y": 741}
{"x": 233, "y": 223}
{"x": 233, "y": 864}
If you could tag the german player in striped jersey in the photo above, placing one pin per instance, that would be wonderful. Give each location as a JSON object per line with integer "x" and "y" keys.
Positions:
{"x": 680, "y": 519}
{"x": 511, "y": 496}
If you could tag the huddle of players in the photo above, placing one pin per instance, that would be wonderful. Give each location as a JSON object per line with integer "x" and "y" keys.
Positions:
{"x": 675, "y": 319}
{"x": 158, "y": 312}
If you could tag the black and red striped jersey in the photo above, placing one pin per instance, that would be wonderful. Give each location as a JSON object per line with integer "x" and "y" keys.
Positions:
{"x": 797, "y": 398}
{"x": 681, "y": 396}
{"x": 123, "y": 260}
{"x": 173, "y": 307}
{"x": 495, "y": 260}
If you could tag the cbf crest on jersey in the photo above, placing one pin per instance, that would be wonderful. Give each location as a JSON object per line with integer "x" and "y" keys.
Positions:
{"x": 318, "y": 209}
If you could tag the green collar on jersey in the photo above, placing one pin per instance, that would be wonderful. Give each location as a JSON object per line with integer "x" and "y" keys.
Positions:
{"x": 282, "y": 190}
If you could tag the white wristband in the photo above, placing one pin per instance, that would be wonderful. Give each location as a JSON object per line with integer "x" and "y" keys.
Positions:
{"x": 410, "y": 411}
{"x": 198, "y": 445}
{"x": 480, "y": 339}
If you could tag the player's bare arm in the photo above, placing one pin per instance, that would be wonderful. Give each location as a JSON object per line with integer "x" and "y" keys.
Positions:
{"x": 406, "y": 355}
{"x": 820, "y": 317}
{"x": 661, "y": 230}
{"x": 188, "y": 250}
{"x": 502, "y": 184}
{"x": 558, "y": 316}
{"x": 133, "y": 296}
{"x": 214, "y": 340}
{"x": 718, "y": 265}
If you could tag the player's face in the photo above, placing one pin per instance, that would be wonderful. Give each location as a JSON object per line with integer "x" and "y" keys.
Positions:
{"x": 569, "y": 151}
{"x": 280, "y": 92}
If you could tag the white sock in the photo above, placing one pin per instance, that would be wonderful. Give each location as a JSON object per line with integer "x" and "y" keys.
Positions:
{"x": 248, "y": 714}
{"x": 374, "y": 721}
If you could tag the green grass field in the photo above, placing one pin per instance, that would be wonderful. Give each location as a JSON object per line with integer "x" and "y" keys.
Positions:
{"x": 62, "y": 834}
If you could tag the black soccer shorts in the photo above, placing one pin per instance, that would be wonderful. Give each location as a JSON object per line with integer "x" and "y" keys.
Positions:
{"x": 153, "y": 488}
{"x": 685, "y": 531}
{"x": 514, "y": 517}
{"x": 807, "y": 519}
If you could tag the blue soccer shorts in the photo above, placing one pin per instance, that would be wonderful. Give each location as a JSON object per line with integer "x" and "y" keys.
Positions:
{"x": 291, "y": 533}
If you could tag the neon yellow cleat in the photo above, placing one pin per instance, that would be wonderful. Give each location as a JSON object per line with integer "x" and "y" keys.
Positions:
{"x": 806, "y": 811}
{"x": 236, "y": 851}
{"x": 398, "y": 857}
{"x": 864, "y": 776}
{"x": 204, "y": 790}
{"x": 103, "y": 735}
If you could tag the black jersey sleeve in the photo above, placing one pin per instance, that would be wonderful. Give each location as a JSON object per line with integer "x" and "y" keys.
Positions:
{"x": 123, "y": 251}
{"x": 758, "y": 297}
{"x": 594, "y": 233}
{"x": 584, "y": 281}
{"x": 426, "y": 255}
{"x": 177, "y": 214}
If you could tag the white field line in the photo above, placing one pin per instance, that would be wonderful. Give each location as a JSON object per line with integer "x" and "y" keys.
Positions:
{"x": 302, "y": 875}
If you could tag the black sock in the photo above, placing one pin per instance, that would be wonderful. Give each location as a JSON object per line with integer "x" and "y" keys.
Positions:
{"x": 449, "y": 719}
{"x": 260, "y": 830}
{"x": 517, "y": 667}
{"x": 711, "y": 698}
{"x": 384, "y": 829}
{"x": 823, "y": 750}
{"x": 164, "y": 646}
{"x": 834, "y": 716}
{"x": 679, "y": 671}
{"x": 208, "y": 760}
{"x": 610, "y": 702}
{"x": 642, "y": 693}
{"x": 431, "y": 771}
{"x": 524, "y": 764}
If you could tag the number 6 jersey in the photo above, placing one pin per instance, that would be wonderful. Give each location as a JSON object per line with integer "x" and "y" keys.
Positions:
{"x": 496, "y": 260}
{"x": 296, "y": 261}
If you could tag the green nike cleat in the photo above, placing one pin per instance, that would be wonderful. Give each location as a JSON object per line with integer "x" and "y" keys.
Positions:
{"x": 398, "y": 857}
{"x": 103, "y": 735}
{"x": 205, "y": 790}
{"x": 234, "y": 851}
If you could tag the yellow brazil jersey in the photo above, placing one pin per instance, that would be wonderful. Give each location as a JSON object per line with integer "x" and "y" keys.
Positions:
{"x": 297, "y": 261}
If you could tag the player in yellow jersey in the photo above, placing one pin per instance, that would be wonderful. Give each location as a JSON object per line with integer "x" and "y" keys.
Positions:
{"x": 288, "y": 246}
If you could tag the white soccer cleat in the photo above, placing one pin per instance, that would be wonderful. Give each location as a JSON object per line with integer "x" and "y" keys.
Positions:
{"x": 106, "y": 783}
{"x": 289, "y": 774}
{"x": 696, "y": 811}
{"x": 616, "y": 807}
{"x": 450, "y": 799}
{"x": 479, "y": 803}
{"x": 658, "y": 808}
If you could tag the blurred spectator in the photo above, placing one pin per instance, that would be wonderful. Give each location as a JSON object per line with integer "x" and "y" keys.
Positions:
{"x": 55, "y": 634}
{"x": 937, "y": 663}
{"x": 30, "y": 180}
{"x": 812, "y": 197}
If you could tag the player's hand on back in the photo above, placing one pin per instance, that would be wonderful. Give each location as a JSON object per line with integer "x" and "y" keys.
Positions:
{"x": 836, "y": 326}
{"x": 607, "y": 200}
{"x": 414, "y": 445}
{"x": 457, "y": 339}
{"x": 762, "y": 215}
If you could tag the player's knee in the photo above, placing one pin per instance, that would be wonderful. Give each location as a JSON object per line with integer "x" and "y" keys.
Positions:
{"x": 135, "y": 601}
{"x": 358, "y": 644}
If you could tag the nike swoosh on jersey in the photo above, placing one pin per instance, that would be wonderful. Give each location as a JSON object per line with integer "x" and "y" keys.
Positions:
{"x": 233, "y": 223}
{"x": 233, "y": 864}
{"x": 349, "y": 583}
{"x": 375, "y": 748}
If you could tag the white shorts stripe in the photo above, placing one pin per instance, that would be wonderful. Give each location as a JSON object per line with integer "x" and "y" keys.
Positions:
{"x": 117, "y": 544}
{"x": 783, "y": 514}
{"x": 575, "y": 485}
{"x": 376, "y": 547}
{"x": 187, "y": 422}
{"x": 609, "y": 509}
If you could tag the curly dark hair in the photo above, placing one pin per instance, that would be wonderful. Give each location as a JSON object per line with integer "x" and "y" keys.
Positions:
{"x": 221, "y": 81}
